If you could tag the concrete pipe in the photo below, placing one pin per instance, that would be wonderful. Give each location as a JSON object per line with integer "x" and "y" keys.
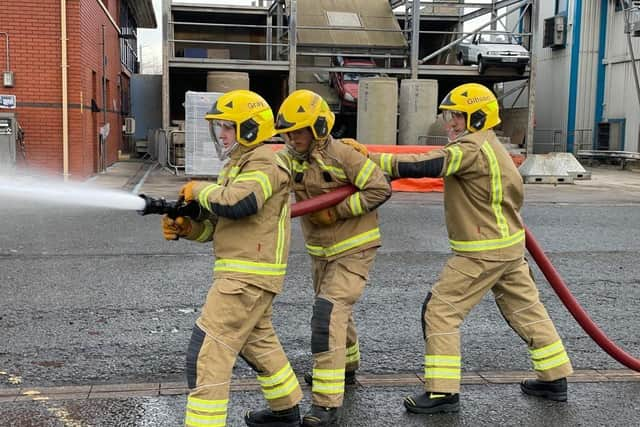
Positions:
{"x": 418, "y": 110}
{"x": 377, "y": 110}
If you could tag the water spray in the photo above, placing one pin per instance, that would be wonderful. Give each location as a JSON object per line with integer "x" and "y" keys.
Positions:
{"x": 47, "y": 189}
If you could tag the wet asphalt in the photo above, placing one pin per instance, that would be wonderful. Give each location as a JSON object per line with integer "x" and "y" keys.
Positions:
{"x": 96, "y": 296}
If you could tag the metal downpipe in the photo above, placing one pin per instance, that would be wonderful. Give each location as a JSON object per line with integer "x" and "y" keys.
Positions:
{"x": 65, "y": 100}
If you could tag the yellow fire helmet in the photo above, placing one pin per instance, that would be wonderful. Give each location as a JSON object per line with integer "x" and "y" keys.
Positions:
{"x": 477, "y": 101}
{"x": 304, "y": 108}
{"x": 249, "y": 113}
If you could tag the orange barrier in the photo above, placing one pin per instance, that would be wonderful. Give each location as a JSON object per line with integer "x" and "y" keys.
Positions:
{"x": 415, "y": 185}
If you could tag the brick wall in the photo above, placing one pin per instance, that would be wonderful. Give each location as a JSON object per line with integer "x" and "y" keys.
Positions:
{"x": 34, "y": 34}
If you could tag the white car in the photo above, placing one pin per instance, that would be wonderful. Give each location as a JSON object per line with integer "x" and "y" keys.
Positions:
{"x": 494, "y": 49}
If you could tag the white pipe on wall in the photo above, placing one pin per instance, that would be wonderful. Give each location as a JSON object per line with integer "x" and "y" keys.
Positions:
{"x": 65, "y": 101}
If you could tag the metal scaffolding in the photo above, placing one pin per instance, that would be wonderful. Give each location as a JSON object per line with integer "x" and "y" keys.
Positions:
{"x": 276, "y": 41}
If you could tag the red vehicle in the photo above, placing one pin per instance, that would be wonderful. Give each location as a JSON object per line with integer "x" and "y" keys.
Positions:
{"x": 346, "y": 83}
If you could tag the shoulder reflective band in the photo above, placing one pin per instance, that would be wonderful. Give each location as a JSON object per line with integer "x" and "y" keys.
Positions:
{"x": 455, "y": 159}
{"x": 364, "y": 174}
{"x": 259, "y": 177}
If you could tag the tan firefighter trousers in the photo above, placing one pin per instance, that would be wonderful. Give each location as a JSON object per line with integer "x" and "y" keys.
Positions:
{"x": 236, "y": 319}
{"x": 338, "y": 285}
{"x": 462, "y": 284}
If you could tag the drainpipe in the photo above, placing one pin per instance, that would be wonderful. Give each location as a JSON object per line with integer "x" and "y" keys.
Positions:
{"x": 103, "y": 148}
{"x": 573, "y": 73}
{"x": 65, "y": 100}
{"x": 601, "y": 74}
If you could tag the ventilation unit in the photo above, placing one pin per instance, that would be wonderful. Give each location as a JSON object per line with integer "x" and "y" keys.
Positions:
{"x": 555, "y": 32}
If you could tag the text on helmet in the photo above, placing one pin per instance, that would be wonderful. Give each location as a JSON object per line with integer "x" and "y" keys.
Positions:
{"x": 256, "y": 104}
{"x": 477, "y": 99}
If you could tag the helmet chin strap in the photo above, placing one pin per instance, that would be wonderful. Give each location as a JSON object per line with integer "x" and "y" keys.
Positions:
{"x": 224, "y": 153}
{"x": 301, "y": 156}
{"x": 452, "y": 136}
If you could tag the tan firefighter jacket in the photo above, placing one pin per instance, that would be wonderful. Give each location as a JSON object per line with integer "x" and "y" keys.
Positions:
{"x": 483, "y": 193}
{"x": 332, "y": 165}
{"x": 251, "y": 202}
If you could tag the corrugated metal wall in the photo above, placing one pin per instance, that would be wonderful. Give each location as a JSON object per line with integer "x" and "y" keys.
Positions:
{"x": 554, "y": 74}
{"x": 621, "y": 101}
{"x": 552, "y": 80}
{"x": 588, "y": 66}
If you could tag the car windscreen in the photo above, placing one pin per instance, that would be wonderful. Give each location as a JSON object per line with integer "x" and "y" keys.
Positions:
{"x": 497, "y": 39}
{"x": 353, "y": 77}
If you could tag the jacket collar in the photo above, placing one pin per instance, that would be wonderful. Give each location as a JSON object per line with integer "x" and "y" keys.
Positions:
{"x": 475, "y": 137}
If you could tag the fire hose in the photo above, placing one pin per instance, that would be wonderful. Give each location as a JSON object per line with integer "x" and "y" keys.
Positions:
{"x": 550, "y": 273}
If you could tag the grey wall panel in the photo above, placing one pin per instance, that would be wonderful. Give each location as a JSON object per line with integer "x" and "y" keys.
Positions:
{"x": 146, "y": 103}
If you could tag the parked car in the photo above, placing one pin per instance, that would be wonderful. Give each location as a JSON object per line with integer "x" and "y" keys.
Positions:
{"x": 346, "y": 83}
{"x": 494, "y": 49}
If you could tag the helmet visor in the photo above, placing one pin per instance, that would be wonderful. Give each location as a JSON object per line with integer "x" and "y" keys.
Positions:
{"x": 448, "y": 115}
{"x": 223, "y": 134}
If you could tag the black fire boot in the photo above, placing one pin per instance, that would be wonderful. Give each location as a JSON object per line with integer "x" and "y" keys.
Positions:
{"x": 349, "y": 378}
{"x": 319, "y": 416}
{"x": 286, "y": 418}
{"x": 552, "y": 390}
{"x": 432, "y": 402}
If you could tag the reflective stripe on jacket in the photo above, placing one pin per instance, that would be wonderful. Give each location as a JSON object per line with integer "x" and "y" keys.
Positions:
{"x": 251, "y": 201}
{"x": 331, "y": 165}
{"x": 483, "y": 193}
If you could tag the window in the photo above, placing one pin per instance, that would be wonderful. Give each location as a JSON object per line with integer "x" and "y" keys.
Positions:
{"x": 622, "y": 5}
{"x": 128, "y": 39}
{"x": 561, "y": 7}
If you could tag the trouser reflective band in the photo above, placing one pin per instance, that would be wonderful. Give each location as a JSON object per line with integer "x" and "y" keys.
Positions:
{"x": 203, "y": 412}
{"x": 281, "y": 384}
{"x": 353, "y": 353}
{"x": 442, "y": 367}
{"x": 328, "y": 381}
{"x": 549, "y": 357}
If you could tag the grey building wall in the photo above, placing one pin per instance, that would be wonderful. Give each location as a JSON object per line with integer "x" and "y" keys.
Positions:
{"x": 620, "y": 96}
{"x": 146, "y": 103}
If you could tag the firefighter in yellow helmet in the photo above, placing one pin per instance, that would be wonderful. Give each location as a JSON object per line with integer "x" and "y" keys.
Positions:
{"x": 482, "y": 197}
{"x": 341, "y": 240}
{"x": 249, "y": 224}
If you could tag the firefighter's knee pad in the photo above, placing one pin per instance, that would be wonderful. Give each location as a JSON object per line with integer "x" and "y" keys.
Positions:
{"x": 197, "y": 338}
{"x": 320, "y": 323}
{"x": 424, "y": 315}
{"x": 439, "y": 315}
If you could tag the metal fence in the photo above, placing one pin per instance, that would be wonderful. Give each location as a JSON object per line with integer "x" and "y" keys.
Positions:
{"x": 555, "y": 140}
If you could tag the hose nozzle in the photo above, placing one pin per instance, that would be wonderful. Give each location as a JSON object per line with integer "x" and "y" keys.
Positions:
{"x": 171, "y": 208}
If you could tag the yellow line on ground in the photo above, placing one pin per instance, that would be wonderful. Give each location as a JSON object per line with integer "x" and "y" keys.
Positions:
{"x": 98, "y": 391}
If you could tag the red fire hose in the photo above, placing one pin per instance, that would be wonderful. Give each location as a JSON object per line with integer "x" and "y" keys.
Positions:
{"x": 330, "y": 199}
{"x": 322, "y": 201}
{"x": 574, "y": 307}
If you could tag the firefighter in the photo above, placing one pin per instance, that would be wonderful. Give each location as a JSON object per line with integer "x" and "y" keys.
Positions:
{"x": 341, "y": 240}
{"x": 249, "y": 225}
{"x": 482, "y": 199}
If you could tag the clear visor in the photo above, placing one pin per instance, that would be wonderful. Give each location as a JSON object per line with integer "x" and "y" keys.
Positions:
{"x": 448, "y": 115}
{"x": 223, "y": 134}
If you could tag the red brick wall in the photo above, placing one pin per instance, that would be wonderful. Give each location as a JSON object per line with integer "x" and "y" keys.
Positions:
{"x": 34, "y": 34}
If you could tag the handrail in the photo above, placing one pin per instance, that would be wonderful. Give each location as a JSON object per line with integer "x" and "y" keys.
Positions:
{"x": 213, "y": 24}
